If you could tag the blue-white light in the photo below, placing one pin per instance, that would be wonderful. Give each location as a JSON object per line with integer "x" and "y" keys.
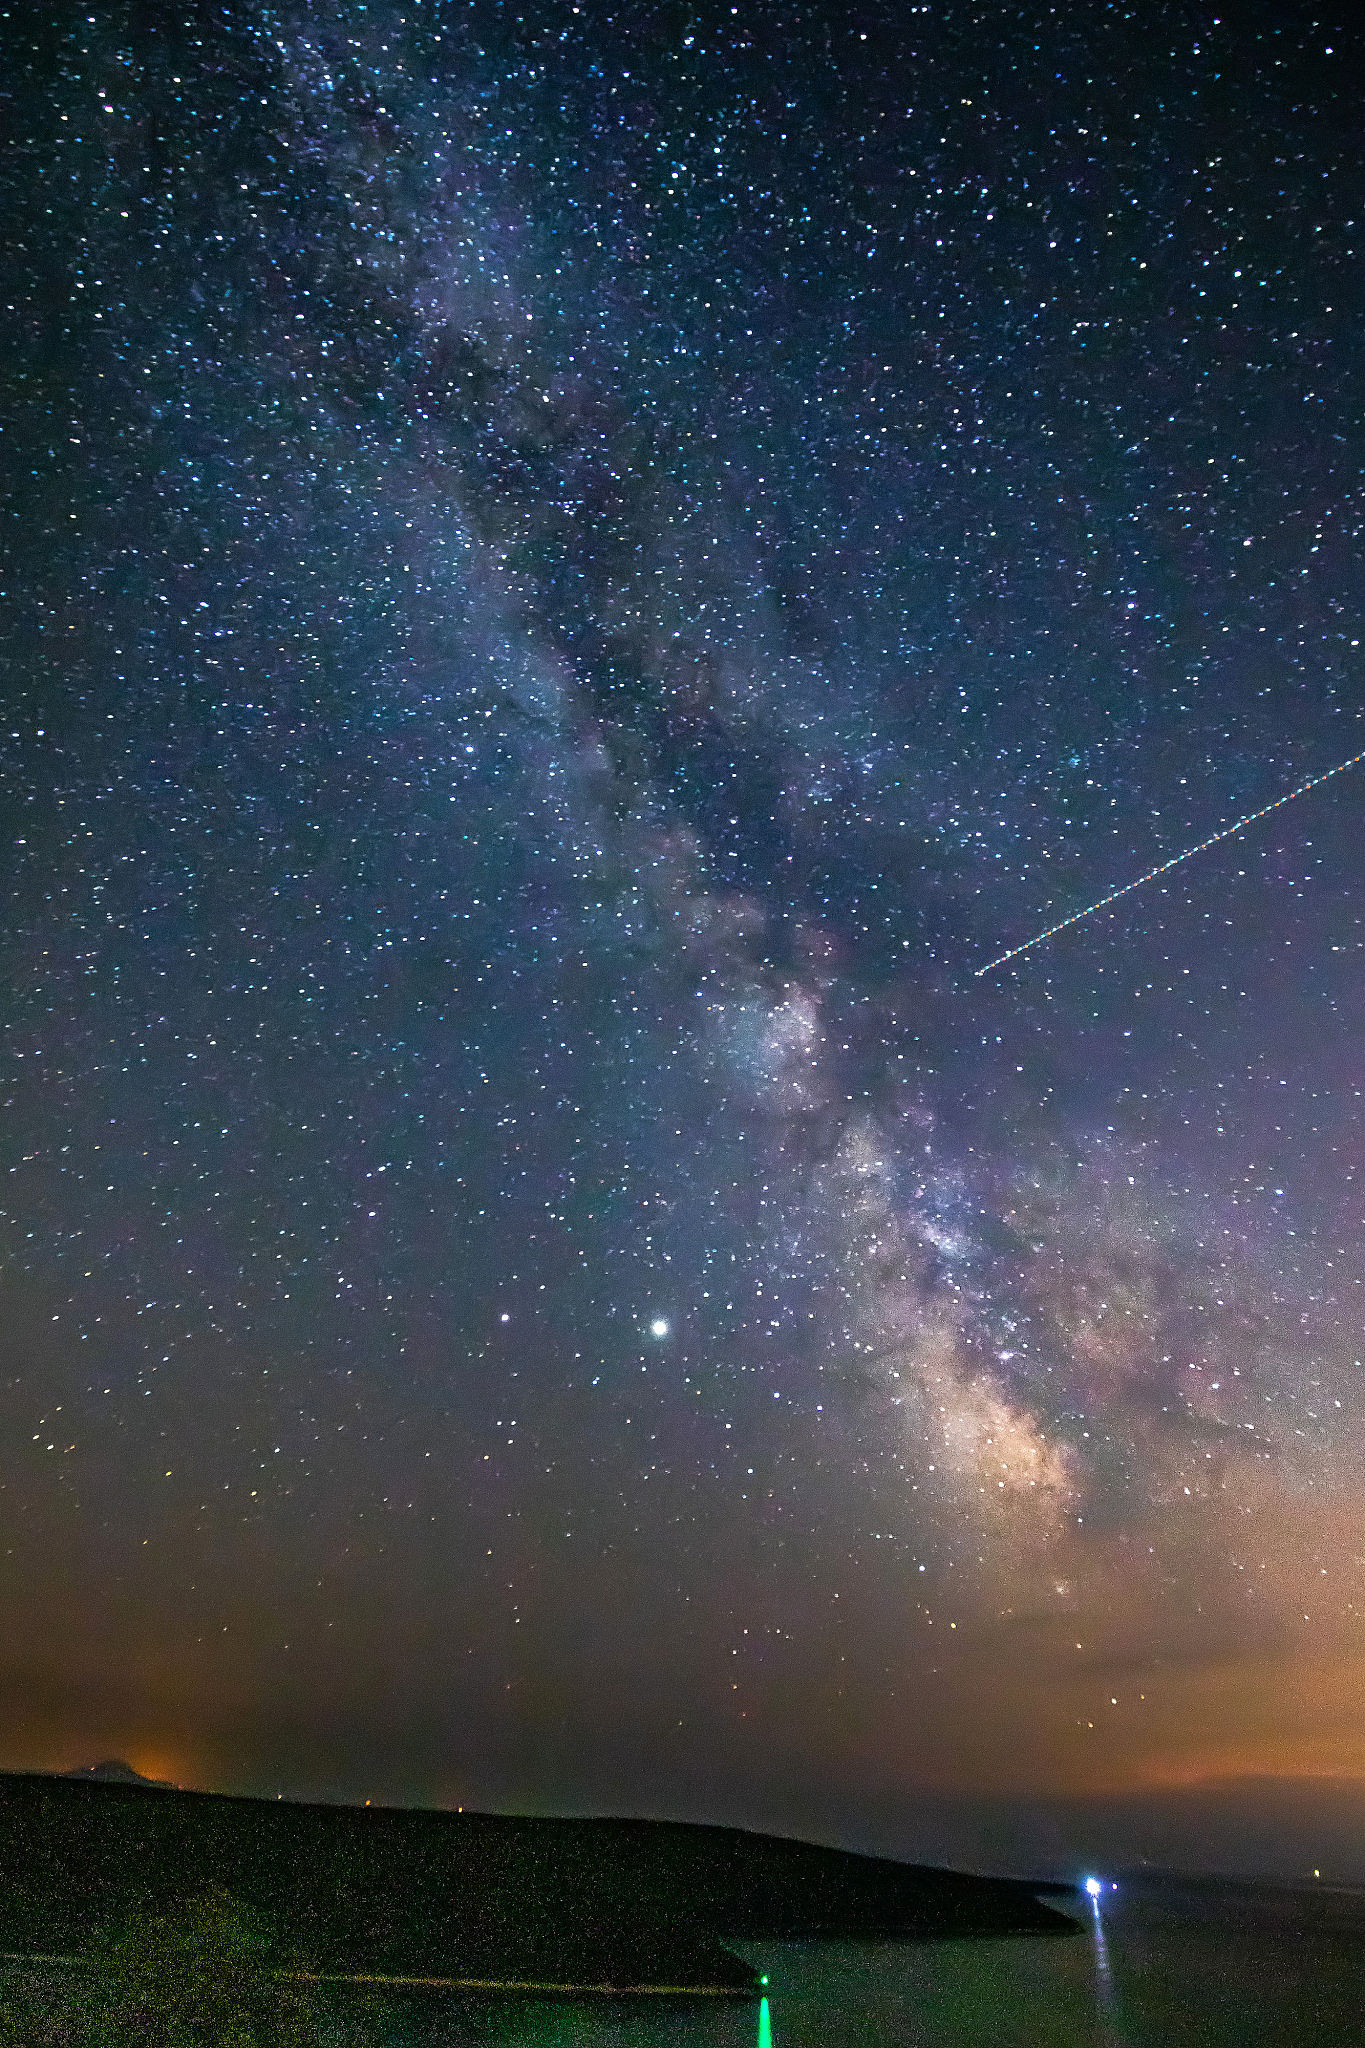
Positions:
{"x": 1094, "y": 1886}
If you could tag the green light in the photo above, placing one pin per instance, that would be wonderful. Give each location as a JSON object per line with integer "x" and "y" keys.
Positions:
{"x": 764, "y": 1978}
{"x": 765, "y": 2024}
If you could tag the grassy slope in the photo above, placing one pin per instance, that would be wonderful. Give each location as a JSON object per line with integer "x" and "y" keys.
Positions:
{"x": 414, "y": 1892}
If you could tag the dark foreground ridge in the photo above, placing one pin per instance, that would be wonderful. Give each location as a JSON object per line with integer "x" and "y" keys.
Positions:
{"x": 466, "y": 1898}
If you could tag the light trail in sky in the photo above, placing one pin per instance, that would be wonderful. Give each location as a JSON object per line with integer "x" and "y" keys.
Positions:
{"x": 1227, "y": 832}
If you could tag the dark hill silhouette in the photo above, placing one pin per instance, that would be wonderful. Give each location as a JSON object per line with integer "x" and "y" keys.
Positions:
{"x": 468, "y": 1896}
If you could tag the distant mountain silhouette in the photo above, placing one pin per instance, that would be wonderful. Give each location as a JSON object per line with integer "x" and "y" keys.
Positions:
{"x": 113, "y": 1771}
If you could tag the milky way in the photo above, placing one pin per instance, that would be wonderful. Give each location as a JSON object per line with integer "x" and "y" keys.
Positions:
{"x": 570, "y": 576}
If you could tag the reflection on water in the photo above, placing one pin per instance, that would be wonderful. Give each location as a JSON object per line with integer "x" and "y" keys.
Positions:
{"x": 1104, "y": 1982}
{"x": 1152, "y": 1965}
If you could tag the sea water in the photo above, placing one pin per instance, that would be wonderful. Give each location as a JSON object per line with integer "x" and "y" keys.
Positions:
{"x": 1156, "y": 1963}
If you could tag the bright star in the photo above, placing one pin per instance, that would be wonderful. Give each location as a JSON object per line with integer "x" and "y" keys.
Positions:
{"x": 659, "y": 1327}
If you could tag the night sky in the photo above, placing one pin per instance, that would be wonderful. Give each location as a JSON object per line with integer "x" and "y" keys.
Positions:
{"x": 570, "y": 576}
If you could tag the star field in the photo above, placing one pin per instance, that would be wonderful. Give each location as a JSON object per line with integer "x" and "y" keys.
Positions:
{"x": 571, "y": 577}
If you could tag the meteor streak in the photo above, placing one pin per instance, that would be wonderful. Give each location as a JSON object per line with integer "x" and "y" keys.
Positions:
{"x": 1227, "y": 832}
